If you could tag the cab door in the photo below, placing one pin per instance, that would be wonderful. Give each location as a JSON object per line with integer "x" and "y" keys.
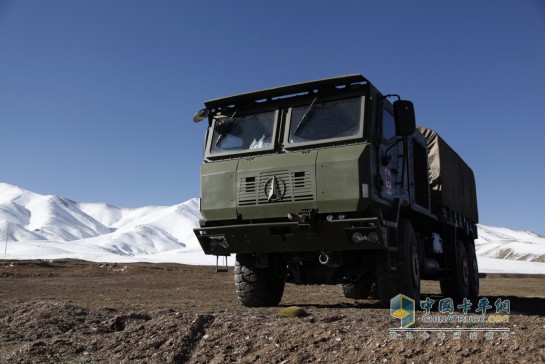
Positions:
{"x": 390, "y": 161}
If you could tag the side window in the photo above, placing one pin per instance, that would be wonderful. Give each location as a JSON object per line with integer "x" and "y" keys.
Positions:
{"x": 389, "y": 130}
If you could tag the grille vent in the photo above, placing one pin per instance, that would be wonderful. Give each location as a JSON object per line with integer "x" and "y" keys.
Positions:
{"x": 297, "y": 186}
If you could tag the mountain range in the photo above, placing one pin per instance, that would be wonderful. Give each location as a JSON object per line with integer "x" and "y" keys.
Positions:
{"x": 34, "y": 226}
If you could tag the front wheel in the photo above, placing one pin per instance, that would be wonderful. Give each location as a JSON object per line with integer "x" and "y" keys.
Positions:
{"x": 399, "y": 272}
{"x": 259, "y": 287}
{"x": 409, "y": 263}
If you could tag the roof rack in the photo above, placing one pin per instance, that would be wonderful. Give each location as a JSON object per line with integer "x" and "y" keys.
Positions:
{"x": 281, "y": 91}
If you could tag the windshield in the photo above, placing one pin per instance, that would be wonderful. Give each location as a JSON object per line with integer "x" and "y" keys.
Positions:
{"x": 242, "y": 133}
{"x": 327, "y": 120}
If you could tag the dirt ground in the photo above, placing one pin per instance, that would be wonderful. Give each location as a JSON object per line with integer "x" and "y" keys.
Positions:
{"x": 79, "y": 312}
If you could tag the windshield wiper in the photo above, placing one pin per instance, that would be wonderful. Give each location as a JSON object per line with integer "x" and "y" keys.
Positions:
{"x": 305, "y": 117}
{"x": 228, "y": 125}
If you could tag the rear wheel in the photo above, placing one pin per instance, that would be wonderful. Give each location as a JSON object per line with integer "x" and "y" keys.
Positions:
{"x": 457, "y": 286}
{"x": 474, "y": 277}
{"x": 259, "y": 287}
{"x": 356, "y": 290}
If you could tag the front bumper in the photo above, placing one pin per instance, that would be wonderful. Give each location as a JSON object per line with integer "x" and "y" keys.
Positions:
{"x": 279, "y": 237}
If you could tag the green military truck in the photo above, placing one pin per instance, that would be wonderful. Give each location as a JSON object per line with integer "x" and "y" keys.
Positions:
{"x": 328, "y": 182}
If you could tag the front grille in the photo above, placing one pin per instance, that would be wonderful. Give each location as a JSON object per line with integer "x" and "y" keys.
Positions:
{"x": 297, "y": 186}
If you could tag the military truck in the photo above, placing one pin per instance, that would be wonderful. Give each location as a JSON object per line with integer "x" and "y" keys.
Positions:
{"x": 328, "y": 182}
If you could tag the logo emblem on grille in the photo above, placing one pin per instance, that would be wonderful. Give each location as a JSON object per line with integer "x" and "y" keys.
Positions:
{"x": 274, "y": 189}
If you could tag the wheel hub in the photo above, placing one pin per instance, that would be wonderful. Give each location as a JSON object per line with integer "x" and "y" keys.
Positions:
{"x": 415, "y": 267}
{"x": 465, "y": 271}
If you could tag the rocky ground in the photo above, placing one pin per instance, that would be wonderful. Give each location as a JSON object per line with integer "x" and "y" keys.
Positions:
{"x": 77, "y": 312}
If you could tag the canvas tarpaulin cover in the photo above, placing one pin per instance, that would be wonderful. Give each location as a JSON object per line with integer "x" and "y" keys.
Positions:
{"x": 451, "y": 179}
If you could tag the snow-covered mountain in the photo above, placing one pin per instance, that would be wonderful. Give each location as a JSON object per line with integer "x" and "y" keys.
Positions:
{"x": 34, "y": 226}
{"x": 503, "y": 243}
{"x": 49, "y": 227}
{"x": 503, "y": 250}
{"x": 38, "y": 217}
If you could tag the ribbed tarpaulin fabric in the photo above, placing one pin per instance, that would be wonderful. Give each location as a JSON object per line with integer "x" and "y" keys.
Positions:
{"x": 451, "y": 179}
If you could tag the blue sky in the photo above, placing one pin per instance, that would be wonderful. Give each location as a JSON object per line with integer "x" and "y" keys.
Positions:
{"x": 96, "y": 97}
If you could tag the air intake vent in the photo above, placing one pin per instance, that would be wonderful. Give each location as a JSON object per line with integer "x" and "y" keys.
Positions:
{"x": 248, "y": 191}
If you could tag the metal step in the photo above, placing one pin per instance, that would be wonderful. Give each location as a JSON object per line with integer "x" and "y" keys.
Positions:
{"x": 224, "y": 267}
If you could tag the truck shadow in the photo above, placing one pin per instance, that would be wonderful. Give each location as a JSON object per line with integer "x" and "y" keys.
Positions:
{"x": 358, "y": 304}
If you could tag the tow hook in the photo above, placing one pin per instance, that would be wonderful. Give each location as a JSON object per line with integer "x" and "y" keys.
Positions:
{"x": 323, "y": 258}
{"x": 330, "y": 259}
{"x": 294, "y": 217}
{"x": 306, "y": 219}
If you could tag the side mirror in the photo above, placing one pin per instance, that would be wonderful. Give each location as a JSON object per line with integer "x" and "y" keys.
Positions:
{"x": 200, "y": 115}
{"x": 404, "y": 117}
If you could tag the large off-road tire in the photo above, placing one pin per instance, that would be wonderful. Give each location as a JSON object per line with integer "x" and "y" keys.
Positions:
{"x": 357, "y": 291}
{"x": 409, "y": 262}
{"x": 457, "y": 285}
{"x": 259, "y": 287}
{"x": 385, "y": 278}
{"x": 406, "y": 278}
{"x": 473, "y": 274}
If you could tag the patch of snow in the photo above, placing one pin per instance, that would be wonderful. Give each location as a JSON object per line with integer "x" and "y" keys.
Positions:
{"x": 491, "y": 265}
